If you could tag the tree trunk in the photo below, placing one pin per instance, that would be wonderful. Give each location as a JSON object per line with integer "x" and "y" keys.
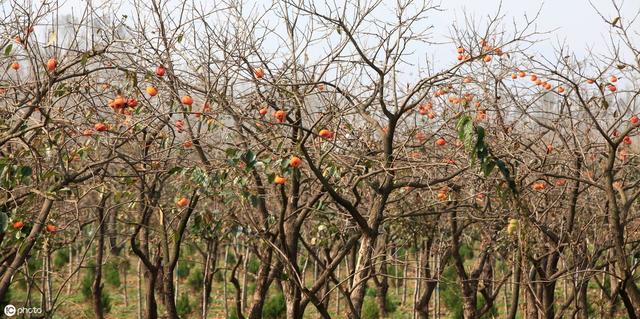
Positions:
{"x": 515, "y": 290}
{"x": 169, "y": 294}
{"x": 139, "y": 285}
{"x": 361, "y": 274}
{"x": 125, "y": 269}
{"x": 224, "y": 281}
{"x": 383, "y": 288}
{"x": 209, "y": 271}
{"x": 418, "y": 272}
{"x": 337, "y": 289}
{"x": 247, "y": 253}
{"x": 532, "y": 309}
{"x": 46, "y": 277}
{"x": 262, "y": 284}
{"x": 630, "y": 290}
{"x": 422, "y": 305}
{"x": 293, "y": 297}
{"x": 583, "y": 304}
{"x": 468, "y": 283}
{"x": 70, "y": 268}
{"x": 151, "y": 310}
{"x": 404, "y": 277}
{"x": 27, "y": 245}
{"x": 96, "y": 287}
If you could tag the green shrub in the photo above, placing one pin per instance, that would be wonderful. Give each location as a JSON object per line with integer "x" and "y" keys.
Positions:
{"x": 391, "y": 304}
{"x": 450, "y": 293}
{"x": 85, "y": 289}
{"x": 370, "y": 292}
{"x": 106, "y": 301}
{"x": 251, "y": 287}
{"x": 233, "y": 314}
{"x": 60, "y": 258}
{"x": 218, "y": 276}
{"x": 34, "y": 264}
{"x": 183, "y": 269}
{"x": 466, "y": 251}
{"x": 87, "y": 283}
{"x": 231, "y": 259}
{"x": 395, "y": 271}
{"x": 253, "y": 265}
{"x": 274, "y": 307}
{"x": 196, "y": 279}
{"x": 370, "y": 309}
{"x": 183, "y": 306}
{"x": 111, "y": 274}
{"x": 86, "y": 286}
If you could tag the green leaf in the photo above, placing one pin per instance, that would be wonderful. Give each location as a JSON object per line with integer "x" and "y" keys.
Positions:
{"x": 175, "y": 170}
{"x": 85, "y": 58}
{"x": 469, "y": 138}
{"x": 461, "y": 123}
{"x": 231, "y": 152}
{"x": 487, "y": 166}
{"x": 249, "y": 157}
{"x": 26, "y": 171}
{"x": 254, "y": 200}
{"x": 3, "y": 221}
{"x": 7, "y": 49}
{"x": 507, "y": 175}
{"x": 480, "y": 131}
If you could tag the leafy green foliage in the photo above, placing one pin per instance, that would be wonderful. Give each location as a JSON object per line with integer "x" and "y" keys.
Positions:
{"x": 86, "y": 283}
{"x": 370, "y": 292}
{"x": 61, "y": 258}
{"x": 195, "y": 279}
{"x": 274, "y": 307}
{"x": 34, "y": 263}
{"x": 111, "y": 274}
{"x": 86, "y": 288}
{"x": 370, "y": 309}
{"x": 253, "y": 265}
{"x": 472, "y": 137}
{"x": 233, "y": 313}
{"x": 391, "y": 303}
{"x": 12, "y": 175}
{"x": 183, "y": 269}
{"x": 450, "y": 293}
{"x": 183, "y": 305}
{"x": 218, "y": 276}
{"x": 395, "y": 271}
{"x": 106, "y": 301}
{"x": 4, "y": 220}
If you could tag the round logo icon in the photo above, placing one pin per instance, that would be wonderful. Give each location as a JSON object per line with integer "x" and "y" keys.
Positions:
{"x": 9, "y": 310}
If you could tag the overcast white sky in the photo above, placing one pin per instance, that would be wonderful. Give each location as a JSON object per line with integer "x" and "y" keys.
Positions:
{"x": 575, "y": 22}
